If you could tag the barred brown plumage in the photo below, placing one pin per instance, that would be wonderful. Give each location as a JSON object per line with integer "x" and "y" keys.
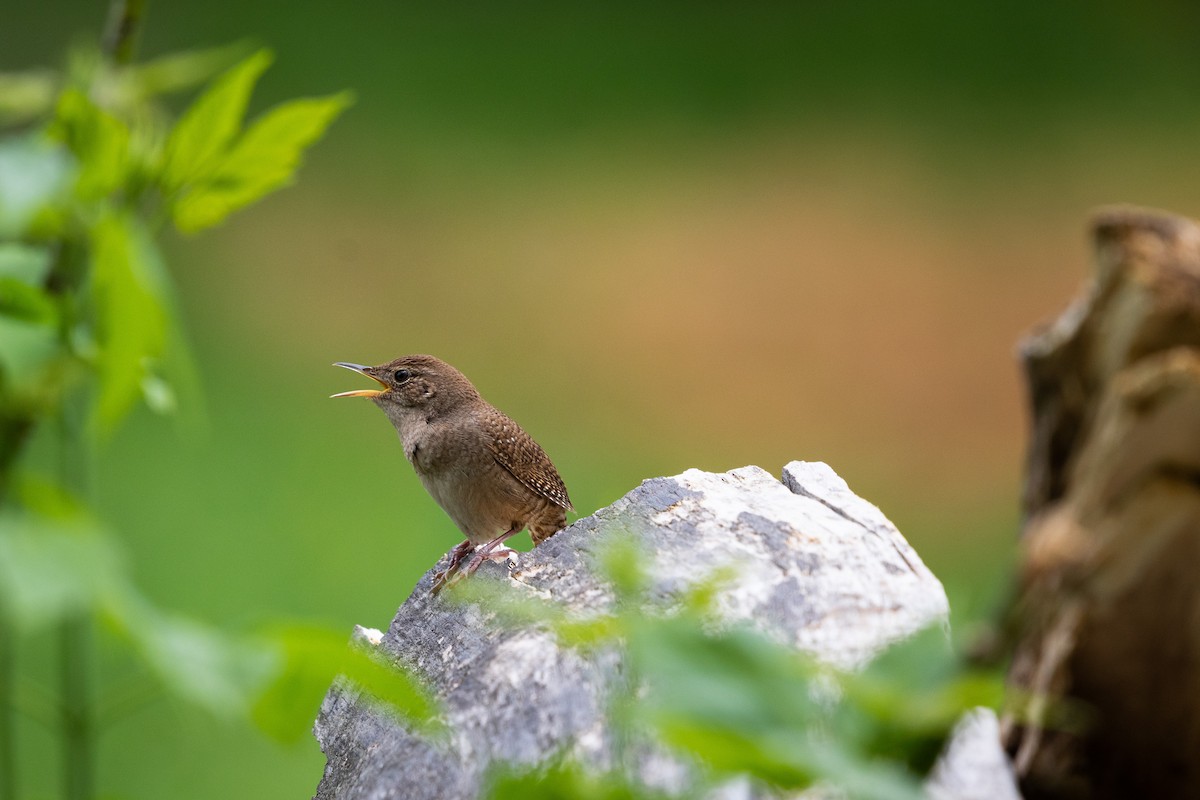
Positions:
{"x": 518, "y": 453}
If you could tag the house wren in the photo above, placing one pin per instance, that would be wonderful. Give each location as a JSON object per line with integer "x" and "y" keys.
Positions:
{"x": 487, "y": 473}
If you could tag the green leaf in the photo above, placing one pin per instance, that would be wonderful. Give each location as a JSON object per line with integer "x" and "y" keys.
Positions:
{"x": 566, "y": 781}
{"x": 736, "y": 701}
{"x": 195, "y": 662}
{"x": 34, "y": 173}
{"x": 923, "y": 660}
{"x": 261, "y": 161}
{"x": 129, "y": 295}
{"x": 743, "y": 704}
{"x": 27, "y": 354}
{"x": 730, "y": 751}
{"x": 56, "y": 562}
{"x": 19, "y": 300}
{"x": 312, "y": 658}
{"x": 172, "y": 385}
{"x": 906, "y": 702}
{"x": 212, "y": 121}
{"x": 176, "y": 72}
{"x": 739, "y": 703}
{"x": 737, "y": 679}
{"x": 621, "y": 561}
{"x": 50, "y": 569}
{"x": 860, "y": 776}
{"x": 25, "y": 95}
{"x": 268, "y": 153}
{"x": 47, "y": 499}
{"x": 23, "y": 271}
{"x": 99, "y": 141}
{"x": 24, "y": 262}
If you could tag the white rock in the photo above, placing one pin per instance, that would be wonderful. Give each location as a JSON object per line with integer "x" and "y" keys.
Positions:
{"x": 812, "y": 565}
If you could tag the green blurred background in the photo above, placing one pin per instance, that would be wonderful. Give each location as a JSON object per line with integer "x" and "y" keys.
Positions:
{"x": 660, "y": 236}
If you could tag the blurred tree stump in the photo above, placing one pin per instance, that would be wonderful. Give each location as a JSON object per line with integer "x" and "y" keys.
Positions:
{"x": 1108, "y": 646}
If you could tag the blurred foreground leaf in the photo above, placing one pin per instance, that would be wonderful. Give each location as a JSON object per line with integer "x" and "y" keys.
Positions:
{"x": 21, "y": 301}
{"x": 176, "y": 72}
{"x": 738, "y": 702}
{"x": 53, "y": 568}
{"x": 29, "y": 337}
{"x": 129, "y": 287}
{"x": 26, "y": 95}
{"x": 99, "y": 140}
{"x": 312, "y": 657}
{"x": 736, "y": 679}
{"x": 907, "y": 700}
{"x": 60, "y": 564}
{"x": 222, "y": 673}
{"x": 566, "y": 781}
{"x": 743, "y": 704}
{"x": 27, "y": 353}
{"x": 26, "y": 263}
{"x": 735, "y": 704}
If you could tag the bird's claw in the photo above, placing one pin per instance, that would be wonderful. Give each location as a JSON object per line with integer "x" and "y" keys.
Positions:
{"x": 496, "y": 554}
{"x": 447, "y": 576}
{"x": 455, "y": 571}
{"x": 442, "y": 579}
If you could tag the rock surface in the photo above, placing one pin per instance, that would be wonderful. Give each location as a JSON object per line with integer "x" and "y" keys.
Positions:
{"x": 813, "y": 565}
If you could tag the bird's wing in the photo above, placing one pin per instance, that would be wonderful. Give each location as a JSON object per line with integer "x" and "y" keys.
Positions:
{"x": 517, "y": 452}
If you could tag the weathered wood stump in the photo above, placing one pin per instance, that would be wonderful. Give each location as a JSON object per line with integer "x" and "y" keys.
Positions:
{"x": 1108, "y": 646}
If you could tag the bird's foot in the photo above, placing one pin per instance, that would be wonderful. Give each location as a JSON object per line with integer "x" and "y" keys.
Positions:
{"x": 442, "y": 578}
{"x": 495, "y": 554}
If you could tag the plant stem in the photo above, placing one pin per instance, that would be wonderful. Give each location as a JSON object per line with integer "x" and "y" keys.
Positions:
{"x": 124, "y": 18}
{"x": 8, "y": 713}
{"x": 76, "y": 715}
{"x": 78, "y": 731}
{"x": 75, "y": 712}
{"x": 13, "y": 435}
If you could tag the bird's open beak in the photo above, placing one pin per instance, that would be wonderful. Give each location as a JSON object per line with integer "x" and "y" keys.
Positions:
{"x": 360, "y": 392}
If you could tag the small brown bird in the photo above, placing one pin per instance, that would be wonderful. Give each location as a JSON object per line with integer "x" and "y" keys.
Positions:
{"x": 487, "y": 473}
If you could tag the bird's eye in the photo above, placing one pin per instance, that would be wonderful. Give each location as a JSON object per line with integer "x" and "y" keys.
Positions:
{"x": 402, "y": 375}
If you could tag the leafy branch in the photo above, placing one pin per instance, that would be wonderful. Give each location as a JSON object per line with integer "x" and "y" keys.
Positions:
{"x": 93, "y": 171}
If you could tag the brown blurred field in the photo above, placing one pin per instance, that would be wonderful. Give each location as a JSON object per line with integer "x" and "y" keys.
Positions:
{"x": 748, "y": 302}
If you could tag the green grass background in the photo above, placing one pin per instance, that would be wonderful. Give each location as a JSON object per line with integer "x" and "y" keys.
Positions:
{"x": 661, "y": 236}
